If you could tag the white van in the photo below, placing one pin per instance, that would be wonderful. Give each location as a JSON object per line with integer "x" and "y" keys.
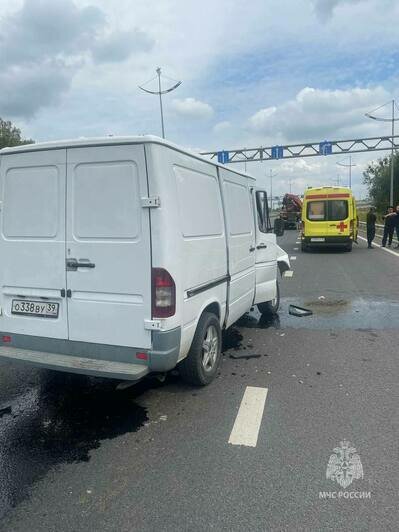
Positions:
{"x": 125, "y": 256}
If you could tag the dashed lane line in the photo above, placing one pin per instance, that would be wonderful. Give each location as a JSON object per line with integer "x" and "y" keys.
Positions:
{"x": 293, "y": 257}
{"x": 288, "y": 273}
{"x": 249, "y": 417}
{"x": 379, "y": 246}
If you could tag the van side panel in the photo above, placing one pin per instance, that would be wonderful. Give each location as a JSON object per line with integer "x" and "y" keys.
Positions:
{"x": 188, "y": 235}
{"x": 241, "y": 243}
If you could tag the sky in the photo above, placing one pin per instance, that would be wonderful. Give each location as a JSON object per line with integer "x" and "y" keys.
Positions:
{"x": 253, "y": 74}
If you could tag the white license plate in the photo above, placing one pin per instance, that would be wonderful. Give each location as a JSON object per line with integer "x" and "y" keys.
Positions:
{"x": 317, "y": 239}
{"x": 27, "y": 307}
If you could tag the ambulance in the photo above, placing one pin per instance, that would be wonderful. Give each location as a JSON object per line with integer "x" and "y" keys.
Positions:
{"x": 329, "y": 218}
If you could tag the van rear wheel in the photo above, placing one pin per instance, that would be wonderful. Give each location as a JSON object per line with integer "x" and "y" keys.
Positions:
{"x": 271, "y": 307}
{"x": 201, "y": 364}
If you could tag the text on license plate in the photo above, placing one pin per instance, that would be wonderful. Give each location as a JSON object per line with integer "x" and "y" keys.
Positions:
{"x": 35, "y": 308}
{"x": 317, "y": 239}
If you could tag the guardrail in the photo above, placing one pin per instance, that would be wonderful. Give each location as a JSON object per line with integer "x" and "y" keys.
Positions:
{"x": 379, "y": 228}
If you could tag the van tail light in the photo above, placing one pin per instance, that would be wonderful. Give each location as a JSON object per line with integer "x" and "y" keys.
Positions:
{"x": 163, "y": 294}
{"x": 351, "y": 227}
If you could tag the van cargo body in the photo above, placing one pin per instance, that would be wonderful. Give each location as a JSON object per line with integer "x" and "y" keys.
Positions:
{"x": 113, "y": 251}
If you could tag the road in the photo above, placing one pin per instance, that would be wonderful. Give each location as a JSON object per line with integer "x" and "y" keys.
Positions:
{"x": 76, "y": 455}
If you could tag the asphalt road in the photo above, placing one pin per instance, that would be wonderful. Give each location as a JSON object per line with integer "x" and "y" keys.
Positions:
{"x": 76, "y": 455}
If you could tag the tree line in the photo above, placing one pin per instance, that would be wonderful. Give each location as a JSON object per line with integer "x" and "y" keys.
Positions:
{"x": 377, "y": 177}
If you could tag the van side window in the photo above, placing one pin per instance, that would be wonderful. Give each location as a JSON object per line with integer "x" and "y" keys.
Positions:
{"x": 238, "y": 208}
{"x": 261, "y": 210}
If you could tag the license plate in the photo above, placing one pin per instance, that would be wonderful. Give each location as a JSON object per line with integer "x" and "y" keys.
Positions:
{"x": 43, "y": 309}
{"x": 317, "y": 239}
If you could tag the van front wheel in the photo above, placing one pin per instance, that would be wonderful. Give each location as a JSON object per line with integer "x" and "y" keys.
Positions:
{"x": 271, "y": 307}
{"x": 201, "y": 364}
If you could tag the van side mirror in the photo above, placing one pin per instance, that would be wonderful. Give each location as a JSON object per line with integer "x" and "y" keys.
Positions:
{"x": 278, "y": 228}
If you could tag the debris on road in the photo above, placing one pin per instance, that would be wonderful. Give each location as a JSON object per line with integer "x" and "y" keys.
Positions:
{"x": 294, "y": 310}
{"x": 245, "y": 355}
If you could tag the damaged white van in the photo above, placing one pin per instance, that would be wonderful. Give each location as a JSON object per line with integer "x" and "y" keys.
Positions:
{"x": 127, "y": 256}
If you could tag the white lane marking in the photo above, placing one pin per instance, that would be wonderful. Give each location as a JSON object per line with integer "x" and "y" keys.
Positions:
{"x": 296, "y": 249}
{"x": 288, "y": 273}
{"x": 379, "y": 246}
{"x": 249, "y": 417}
{"x": 293, "y": 257}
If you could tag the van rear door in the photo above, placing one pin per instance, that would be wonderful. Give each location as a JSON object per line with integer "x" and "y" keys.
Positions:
{"x": 338, "y": 216}
{"x": 32, "y": 244}
{"x": 108, "y": 246}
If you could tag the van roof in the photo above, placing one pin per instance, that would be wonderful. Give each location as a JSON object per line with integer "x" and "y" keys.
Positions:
{"x": 110, "y": 140}
{"x": 327, "y": 190}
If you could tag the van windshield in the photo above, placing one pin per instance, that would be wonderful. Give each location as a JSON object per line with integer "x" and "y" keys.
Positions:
{"x": 324, "y": 211}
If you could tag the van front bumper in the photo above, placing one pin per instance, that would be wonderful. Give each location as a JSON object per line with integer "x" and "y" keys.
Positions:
{"x": 328, "y": 241}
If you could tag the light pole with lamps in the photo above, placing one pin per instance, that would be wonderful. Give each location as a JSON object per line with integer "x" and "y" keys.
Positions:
{"x": 349, "y": 165}
{"x": 271, "y": 187}
{"x": 160, "y": 92}
{"x": 392, "y": 120}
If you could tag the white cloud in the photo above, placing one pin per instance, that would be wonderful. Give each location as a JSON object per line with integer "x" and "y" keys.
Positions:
{"x": 316, "y": 114}
{"x": 192, "y": 108}
{"x": 221, "y": 127}
{"x": 45, "y": 44}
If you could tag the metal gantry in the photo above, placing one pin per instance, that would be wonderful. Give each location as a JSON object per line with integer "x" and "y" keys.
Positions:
{"x": 309, "y": 149}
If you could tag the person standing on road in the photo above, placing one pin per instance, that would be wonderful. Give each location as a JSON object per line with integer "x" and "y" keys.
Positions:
{"x": 370, "y": 220}
{"x": 396, "y": 224}
{"x": 389, "y": 227}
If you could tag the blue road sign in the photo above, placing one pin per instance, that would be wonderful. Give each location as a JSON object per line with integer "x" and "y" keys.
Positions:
{"x": 325, "y": 148}
{"x": 277, "y": 152}
{"x": 223, "y": 157}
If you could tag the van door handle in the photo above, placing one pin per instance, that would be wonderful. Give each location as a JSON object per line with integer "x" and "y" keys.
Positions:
{"x": 72, "y": 265}
{"x": 252, "y": 248}
{"x": 86, "y": 265}
{"x": 261, "y": 246}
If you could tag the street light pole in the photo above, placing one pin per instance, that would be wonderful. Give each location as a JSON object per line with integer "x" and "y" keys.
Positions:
{"x": 158, "y": 71}
{"x": 348, "y": 165}
{"x": 392, "y": 120}
{"x": 392, "y": 154}
{"x": 160, "y": 92}
{"x": 271, "y": 188}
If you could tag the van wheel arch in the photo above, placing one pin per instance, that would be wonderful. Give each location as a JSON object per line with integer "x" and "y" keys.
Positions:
{"x": 201, "y": 364}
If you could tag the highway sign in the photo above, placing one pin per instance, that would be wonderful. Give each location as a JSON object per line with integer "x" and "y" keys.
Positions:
{"x": 223, "y": 157}
{"x": 277, "y": 152}
{"x": 325, "y": 148}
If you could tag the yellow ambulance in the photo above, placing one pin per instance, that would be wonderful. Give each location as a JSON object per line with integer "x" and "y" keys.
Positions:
{"x": 329, "y": 218}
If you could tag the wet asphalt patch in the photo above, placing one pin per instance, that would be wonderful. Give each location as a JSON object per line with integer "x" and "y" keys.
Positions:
{"x": 58, "y": 422}
{"x": 328, "y": 313}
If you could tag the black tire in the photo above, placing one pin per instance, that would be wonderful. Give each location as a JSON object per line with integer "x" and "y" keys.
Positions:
{"x": 193, "y": 368}
{"x": 271, "y": 307}
{"x": 349, "y": 247}
{"x": 304, "y": 247}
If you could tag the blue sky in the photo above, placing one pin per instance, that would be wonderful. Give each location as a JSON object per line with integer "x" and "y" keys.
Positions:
{"x": 258, "y": 73}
